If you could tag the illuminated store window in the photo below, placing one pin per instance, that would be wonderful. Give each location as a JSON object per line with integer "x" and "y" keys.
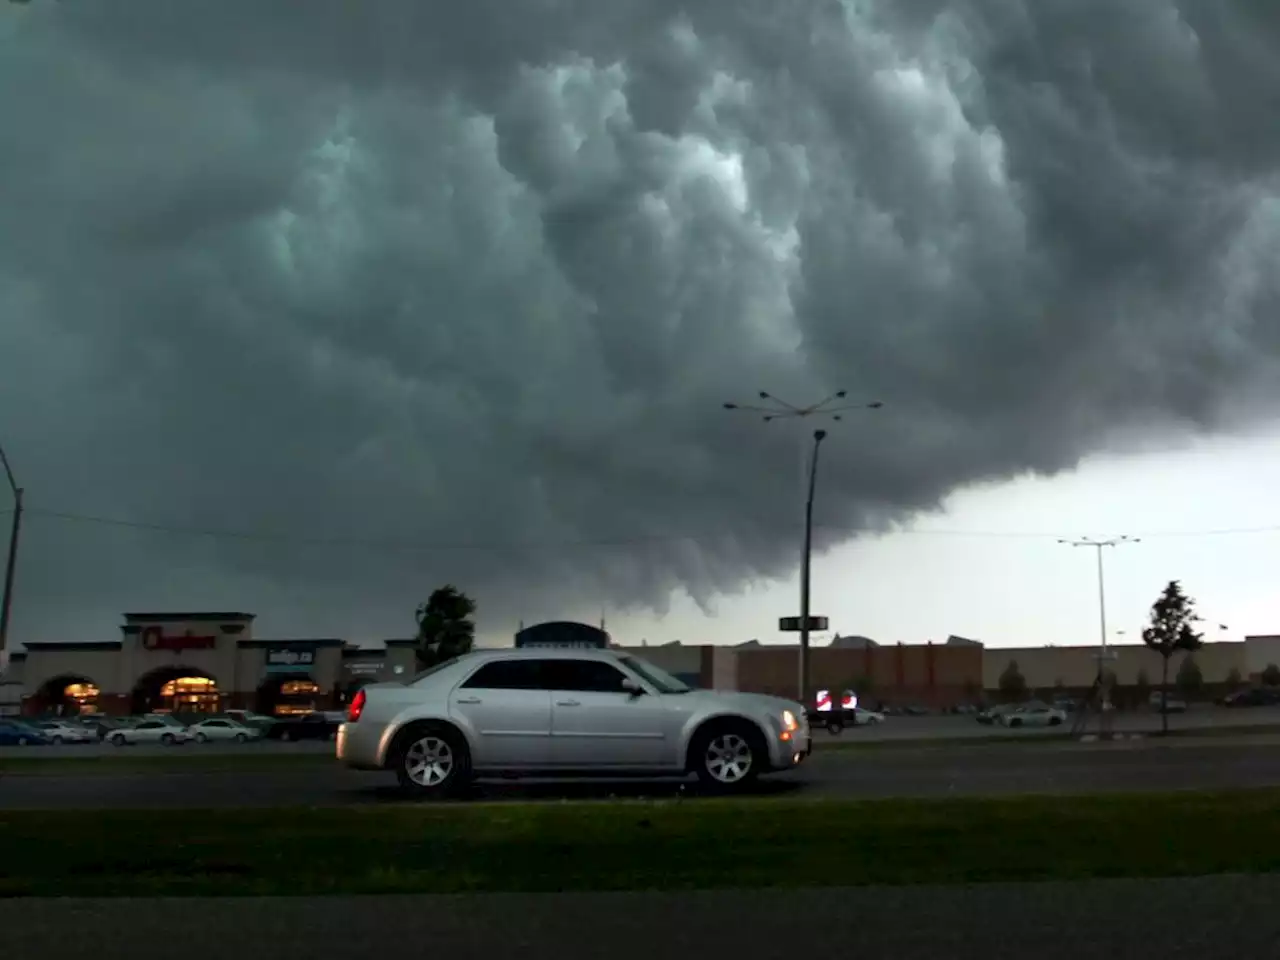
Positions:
{"x": 190, "y": 695}
{"x": 297, "y": 697}
{"x": 84, "y": 695}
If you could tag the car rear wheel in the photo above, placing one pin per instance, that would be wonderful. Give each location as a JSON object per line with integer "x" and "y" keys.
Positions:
{"x": 727, "y": 756}
{"x": 118, "y": 740}
{"x": 432, "y": 761}
{"x": 201, "y": 738}
{"x": 57, "y": 740}
{"x": 167, "y": 739}
{"x": 241, "y": 738}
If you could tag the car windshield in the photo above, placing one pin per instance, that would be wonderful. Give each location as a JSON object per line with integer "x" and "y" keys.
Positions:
{"x": 664, "y": 681}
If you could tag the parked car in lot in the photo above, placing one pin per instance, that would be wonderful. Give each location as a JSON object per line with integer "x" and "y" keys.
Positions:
{"x": 837, "y": 720}
{"x": 1033, "y": 715}
{"x": 548, "y": 712}
{"x": 248, "y": 718}
{"x": 993, "y": 715}
{"x": 312, "y": 726}
{"x": 15, "y": 733}
{"x": 1256, "y": 697}
{"x": 61, "y": 731}
{"x": 150, "y": 731}
{"x": 219, "y": 728}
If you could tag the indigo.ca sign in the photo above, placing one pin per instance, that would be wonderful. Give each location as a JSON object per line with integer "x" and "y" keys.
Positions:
{"x": 290, "y": 659}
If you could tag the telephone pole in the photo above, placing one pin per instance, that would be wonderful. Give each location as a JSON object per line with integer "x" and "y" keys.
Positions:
{"x": 6, "y": 600}
{"x": 832, "y": 407}
{"x": 1104, "y": 654}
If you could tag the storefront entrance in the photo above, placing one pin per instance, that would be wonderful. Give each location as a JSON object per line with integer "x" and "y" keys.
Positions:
{"x": 67, "y": 696}
{"x": 289, "y": 697}
{"x": 176, "y": 690}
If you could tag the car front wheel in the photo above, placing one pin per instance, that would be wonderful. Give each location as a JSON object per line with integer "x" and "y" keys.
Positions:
{"x": 432, "y": 761}
{"x": 727, "y": 756}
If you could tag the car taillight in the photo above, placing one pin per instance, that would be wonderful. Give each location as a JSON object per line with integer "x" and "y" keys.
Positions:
{"x": 356, "y": 707}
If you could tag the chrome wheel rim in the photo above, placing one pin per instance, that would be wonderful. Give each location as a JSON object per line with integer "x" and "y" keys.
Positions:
{"x": 728, "y": 758}
{"x": 429, "y": 761}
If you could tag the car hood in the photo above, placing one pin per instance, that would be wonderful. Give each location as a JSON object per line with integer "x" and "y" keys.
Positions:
{"x": 738, "y": 699}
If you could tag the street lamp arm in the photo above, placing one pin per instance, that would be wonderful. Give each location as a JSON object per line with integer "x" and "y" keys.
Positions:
{"x": 8, "y": 472}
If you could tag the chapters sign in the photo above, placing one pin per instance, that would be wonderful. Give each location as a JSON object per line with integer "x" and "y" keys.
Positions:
{"x": 154, "y": 638}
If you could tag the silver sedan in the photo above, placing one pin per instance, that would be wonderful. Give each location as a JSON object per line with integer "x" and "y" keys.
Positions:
{"x": 565, "y": 712}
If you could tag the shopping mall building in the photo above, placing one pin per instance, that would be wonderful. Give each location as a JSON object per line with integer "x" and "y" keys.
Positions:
{"x": 198, "y": 662}
{"x": 204, "y": 662}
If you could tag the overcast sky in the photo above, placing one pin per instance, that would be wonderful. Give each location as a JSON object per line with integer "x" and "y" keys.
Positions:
{"x": 408, "y": 292}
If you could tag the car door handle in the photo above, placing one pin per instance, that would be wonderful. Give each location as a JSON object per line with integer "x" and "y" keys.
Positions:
{"x": 468, "y": 700}
{"x": 568, "y": 703}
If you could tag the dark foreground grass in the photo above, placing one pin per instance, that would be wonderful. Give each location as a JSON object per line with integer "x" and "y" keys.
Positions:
{"x": 640, "y": 845}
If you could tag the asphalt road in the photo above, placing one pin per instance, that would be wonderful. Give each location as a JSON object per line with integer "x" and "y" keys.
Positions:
{"x": 940, "y": 771}
{"x": 1212, "y": 918}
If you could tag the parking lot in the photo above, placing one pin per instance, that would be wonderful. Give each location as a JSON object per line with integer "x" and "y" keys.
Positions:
{"x": 900, "y": 729}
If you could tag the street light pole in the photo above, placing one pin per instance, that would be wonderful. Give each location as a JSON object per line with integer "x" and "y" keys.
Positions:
{"x": 772, "y": 409}
{"x": 1098, "y": 546}
{"x": 6, "y": 600}
{"x": 805, "y": 566}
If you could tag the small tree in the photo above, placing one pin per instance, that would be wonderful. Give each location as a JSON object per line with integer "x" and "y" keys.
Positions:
{"x": 445, "y": 627}
{"x": 1234, "y": 680}
{"x": 1271, "y": 675}
{"x": 1013, "y": 685}
{"x": 1189, "y": 679}
{"x": 1171, "y": 629}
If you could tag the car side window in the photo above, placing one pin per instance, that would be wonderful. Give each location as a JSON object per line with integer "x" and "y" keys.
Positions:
{"x": 507, "y": 675}
{"x": 584, "y": 676}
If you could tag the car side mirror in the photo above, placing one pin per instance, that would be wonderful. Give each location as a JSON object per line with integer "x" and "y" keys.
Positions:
{"x": 631, "y": 687}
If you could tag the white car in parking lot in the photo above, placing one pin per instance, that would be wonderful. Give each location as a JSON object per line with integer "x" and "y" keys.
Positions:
{"x": 555, "y": 712}
{"x": 60, "y": 732}
{"x": 150, "y": 731}
{"x": 219, "y": 728}
{"x": 1034, "y": 715}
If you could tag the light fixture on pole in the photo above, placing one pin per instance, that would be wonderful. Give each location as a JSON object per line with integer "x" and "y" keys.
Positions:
{"x": 6, "y": 599}
{"x": 832, "y": 407}
{"x": 1104, "y": 653}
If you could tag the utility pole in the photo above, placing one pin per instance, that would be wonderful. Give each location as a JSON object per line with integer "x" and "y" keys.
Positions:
{"x": 6, "y": 600}
{"x": 1104, "y": 654}
{"x": 772, "y": 408}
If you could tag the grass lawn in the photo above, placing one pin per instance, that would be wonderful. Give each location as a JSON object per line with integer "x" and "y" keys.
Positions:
{"x": 635, "y": 845}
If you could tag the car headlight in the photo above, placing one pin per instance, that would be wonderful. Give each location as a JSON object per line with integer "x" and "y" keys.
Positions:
{"x": 789, "y": 721}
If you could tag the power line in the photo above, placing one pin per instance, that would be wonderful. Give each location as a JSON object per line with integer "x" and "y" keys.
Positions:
{"x": 619, "y": 541}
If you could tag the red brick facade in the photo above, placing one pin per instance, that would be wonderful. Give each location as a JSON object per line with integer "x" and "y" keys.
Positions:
{"x": 931, "y": 675}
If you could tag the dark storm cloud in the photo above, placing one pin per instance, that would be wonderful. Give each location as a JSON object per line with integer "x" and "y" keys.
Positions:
{"x": 483, "y": 275}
